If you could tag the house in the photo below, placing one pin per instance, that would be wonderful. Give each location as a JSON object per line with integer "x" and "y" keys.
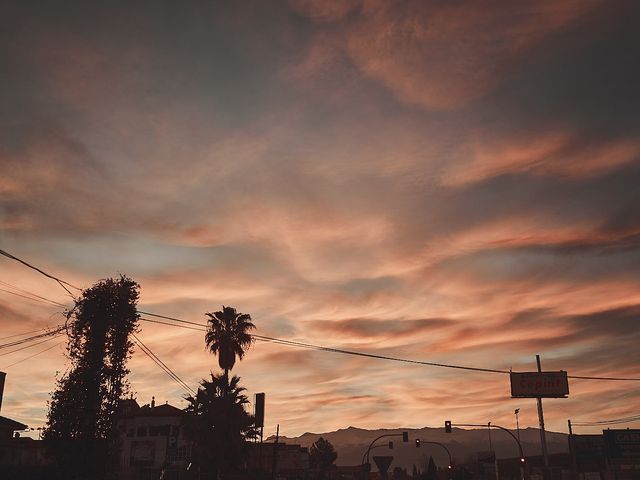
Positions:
{"x": 290, "y": 462}
{"x": 151, "y": 440}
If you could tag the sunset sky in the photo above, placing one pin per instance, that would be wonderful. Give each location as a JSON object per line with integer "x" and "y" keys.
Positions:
{"x": 448, "y": 181}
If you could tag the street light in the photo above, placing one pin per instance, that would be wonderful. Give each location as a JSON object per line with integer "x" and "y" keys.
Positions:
{"x": 404, "y": 435}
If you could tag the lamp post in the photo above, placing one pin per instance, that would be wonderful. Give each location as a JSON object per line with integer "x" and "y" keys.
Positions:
{"x": 489, "y": 425}
{"x": 450, "y": 466}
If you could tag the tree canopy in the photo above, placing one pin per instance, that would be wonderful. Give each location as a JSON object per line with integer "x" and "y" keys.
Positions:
{"x": 228, "y": 335}
{"x": 81, "y": 417}
{"x": 322, "y": 455}
{"x": 218, "y": 425}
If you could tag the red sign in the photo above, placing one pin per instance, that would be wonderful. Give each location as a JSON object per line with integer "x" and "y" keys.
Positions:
{"x": 539, "y": 384}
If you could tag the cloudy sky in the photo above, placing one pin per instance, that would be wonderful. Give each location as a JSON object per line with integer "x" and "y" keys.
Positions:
{"x": 450, "y": 181}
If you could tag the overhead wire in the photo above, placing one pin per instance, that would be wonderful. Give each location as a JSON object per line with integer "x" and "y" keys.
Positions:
{"x": 34, "y": 355}
{"x": 29, "y": 346}
{"x": 55, "y": 304}
{"x": 320, "y": 347}
{"x": 25, "y": 333}
{"x": 293, "y": 343}
{"x": 614, "y": 421}
{"x": 27, "y": 292}
{"x": 62, "y": 283}
{"x": 32, "y": 338}
{"x": 162, "y": 365}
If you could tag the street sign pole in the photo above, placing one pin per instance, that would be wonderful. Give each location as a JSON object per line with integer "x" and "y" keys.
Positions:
{"x": 543, "y": 436}
{"x": 572, "y": 453}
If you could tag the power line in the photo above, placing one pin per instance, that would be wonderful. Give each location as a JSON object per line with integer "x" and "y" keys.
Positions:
{"x": 15, "y": 343}
{"x": 320, "y": 347}
{"x": 614, "y": 421}
{"x": 62, "y": 283}
{"x": 30, "y": 346}
{"x": 34, "y": 355}
{"x": 162, "y": 365}
{"x": 22, "y": 290}
{"x": 25, "y": 333}
{"x": 293, "y": 343}
{"x": 363, "y": 354}
{"x": 32, "y": 298}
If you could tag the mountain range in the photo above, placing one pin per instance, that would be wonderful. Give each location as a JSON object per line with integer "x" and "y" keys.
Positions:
{"x": 351, "y": 443}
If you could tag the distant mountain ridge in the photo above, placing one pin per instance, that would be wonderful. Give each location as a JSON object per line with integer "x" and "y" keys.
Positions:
{"x": 352, "y": 442}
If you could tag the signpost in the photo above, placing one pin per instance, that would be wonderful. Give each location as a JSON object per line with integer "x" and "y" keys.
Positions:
{"x": 383, "y": 462}
{"x": 539, "y": 384}
{"x": 622, "y": 444}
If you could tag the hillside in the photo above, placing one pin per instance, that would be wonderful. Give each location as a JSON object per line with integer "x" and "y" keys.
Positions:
{"x": 352, "y": 442}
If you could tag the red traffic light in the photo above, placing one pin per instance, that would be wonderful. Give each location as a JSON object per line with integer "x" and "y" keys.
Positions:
{"x": 417, "y": 443}
{"x": 447, "y": 426}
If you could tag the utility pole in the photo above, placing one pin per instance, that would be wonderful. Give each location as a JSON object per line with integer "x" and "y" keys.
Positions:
{"x": 274, "y": 465}
{"x": 495, "y": 457}
{"x": 572, "y": 453}
{"x": 517, "y": 411}
{"x": 543, "y": 436}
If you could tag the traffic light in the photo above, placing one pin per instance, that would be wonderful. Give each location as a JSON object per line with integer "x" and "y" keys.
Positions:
{"x": 417, "y": 443}
{"x": 405, "y": 437}
{"x": 447, "y": 426}
{"x": 522, "y": 460}
{"x": 391, "y": 445}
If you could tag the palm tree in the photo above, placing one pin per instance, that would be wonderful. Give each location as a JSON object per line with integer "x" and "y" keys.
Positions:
{"x": 228, "y": 336}
{"x": 218, "y": 425}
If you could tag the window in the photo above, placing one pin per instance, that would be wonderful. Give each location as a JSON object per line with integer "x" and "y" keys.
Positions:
{"x": 159, "y": 430}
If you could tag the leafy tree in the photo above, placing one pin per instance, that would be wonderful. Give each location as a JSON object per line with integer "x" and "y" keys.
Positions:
{"x": 228, "y": 336}
{"x": 432, "y": 470}
{"x": 322, "y": 455}
{"x": 81, "y": 417}
{"x": 218, "y": 425}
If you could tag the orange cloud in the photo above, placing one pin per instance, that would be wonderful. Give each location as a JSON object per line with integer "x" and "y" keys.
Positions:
{"x": 441, "y": 56}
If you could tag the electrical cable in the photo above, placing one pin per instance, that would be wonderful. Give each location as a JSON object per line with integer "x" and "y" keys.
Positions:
{"x": 22, "y": 290}
{"x": 320, "y": 347}
{"x": 34, "y": 355}
{"x": 62, "y": 283}
{"x": 162, "y": 365}
{"x": 293, "y": 343}
{"x": 30, "y": 346}
{"x": 25, "y": 333}
{"x": 363, "y": 354}
{"x": 15, "y": 343}
{"x": 615, "y": 421}
{"x": 31, "y": 298}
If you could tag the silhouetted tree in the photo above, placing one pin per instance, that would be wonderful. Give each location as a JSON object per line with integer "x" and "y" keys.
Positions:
{"x": 81, "y": 417}
{"x": 432, "y": 470}
{"x": 321, "y": 456}
{"x": 228, "y": 336}
{"x": 462, "y": 473}
{"x": 218, "y": 425}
